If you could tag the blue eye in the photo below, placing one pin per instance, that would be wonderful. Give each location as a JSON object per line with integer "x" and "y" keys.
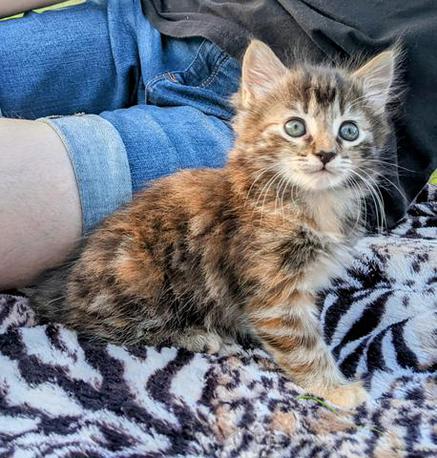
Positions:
{"x": 295, "y": 127}
{"x": 349, "y": 131}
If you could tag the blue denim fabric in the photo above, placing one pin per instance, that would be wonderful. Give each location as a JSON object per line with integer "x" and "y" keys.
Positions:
{"x": 149, "y": 105}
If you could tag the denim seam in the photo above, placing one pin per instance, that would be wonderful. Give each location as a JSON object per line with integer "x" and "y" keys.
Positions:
{"x": 216, "y": 67}
{"x": 162, "y": 75}
{"x": 220, "y": 61}
{"x": 64, "y": 141}
{"x": 219, "y": 64}
{"x": 80, "y": 172}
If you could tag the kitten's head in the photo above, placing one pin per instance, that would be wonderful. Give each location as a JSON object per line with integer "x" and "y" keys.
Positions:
{"x": 317, "y": 127}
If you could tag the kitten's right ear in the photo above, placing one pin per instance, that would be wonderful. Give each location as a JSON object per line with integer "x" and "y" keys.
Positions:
{"x": 261, "y": 70}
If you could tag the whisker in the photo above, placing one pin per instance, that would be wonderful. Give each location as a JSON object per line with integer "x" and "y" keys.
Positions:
{"x": 390, "y": 164}
{"x": 263, "y": 171}
{"x": 276, "y": 176}
{"x": 400, "y": 191}
{"x": 377, "y": 199}
{"x": 259, "y": 194}
{"x": 264, "y": 191}
{"x": 282, "y": 198}
{"x": 360, "y": 198}
{"x": 278, "y": 189}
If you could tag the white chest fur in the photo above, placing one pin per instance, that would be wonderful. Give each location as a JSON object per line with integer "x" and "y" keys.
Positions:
{"x": 328, "y": 211}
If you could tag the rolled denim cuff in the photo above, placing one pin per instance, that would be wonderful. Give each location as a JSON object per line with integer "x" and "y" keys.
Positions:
{"x": 100, "y": 164}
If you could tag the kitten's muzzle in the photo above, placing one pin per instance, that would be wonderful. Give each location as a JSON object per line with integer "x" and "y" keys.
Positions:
{"x": 325, "y": 157}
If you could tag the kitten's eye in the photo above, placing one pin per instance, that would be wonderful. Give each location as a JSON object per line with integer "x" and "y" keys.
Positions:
{"x": 349, "y": 131}
{"x": 295, "y": 127}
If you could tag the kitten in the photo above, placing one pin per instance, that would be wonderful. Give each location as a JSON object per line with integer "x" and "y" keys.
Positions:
{"x": 206, "y": 254}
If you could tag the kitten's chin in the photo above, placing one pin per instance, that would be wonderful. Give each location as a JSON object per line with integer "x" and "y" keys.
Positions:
{"x": 319, "y": 181}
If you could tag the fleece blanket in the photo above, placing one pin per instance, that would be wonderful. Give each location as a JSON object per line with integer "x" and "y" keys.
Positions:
{"x": 61, "y": 396}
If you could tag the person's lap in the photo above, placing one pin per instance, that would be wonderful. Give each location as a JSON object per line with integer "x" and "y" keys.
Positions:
{"x": 149, "y": 105}
{"x": 61, "y": 62}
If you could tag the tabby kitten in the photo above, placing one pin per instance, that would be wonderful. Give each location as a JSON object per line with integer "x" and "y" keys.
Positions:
{"x": 207, "y": 254}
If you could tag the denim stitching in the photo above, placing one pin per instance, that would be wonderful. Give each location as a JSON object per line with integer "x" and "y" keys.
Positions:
{"x": 221, "y": 60}
{"x": 219, "y": 64}
{"x": 163, "y": 75}
{"x": 207, "y": 81}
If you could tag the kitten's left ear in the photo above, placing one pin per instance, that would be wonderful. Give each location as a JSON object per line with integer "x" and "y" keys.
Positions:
{"x": 261, "y": 70}
{"x": 378, "y": 75}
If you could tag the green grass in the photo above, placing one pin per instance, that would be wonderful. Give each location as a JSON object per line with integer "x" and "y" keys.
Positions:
{"x": 309, "y": 397}
{"x": 323, "y": 403}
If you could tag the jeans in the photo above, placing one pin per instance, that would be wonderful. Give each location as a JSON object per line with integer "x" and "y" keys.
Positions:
{"x": 130, "y": 104}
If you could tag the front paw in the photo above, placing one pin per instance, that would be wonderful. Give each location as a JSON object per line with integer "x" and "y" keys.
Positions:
{"x": 347, "y": 396}
{"x": 200, "y": 341}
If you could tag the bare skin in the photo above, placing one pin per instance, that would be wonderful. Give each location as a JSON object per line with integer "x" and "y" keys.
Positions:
{"x": 40, "y": 214}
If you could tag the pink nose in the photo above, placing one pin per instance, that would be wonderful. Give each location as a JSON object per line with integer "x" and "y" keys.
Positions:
{"x": 325, "y": 157}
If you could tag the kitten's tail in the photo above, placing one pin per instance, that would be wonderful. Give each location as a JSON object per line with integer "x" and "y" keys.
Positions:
{"x": 48, "y": 294}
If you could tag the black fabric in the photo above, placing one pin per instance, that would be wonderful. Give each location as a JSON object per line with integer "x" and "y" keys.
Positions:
{"x": 335, "y": 29}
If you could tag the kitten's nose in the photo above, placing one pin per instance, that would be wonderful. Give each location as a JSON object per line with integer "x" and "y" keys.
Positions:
{"x": 325, "y": 157}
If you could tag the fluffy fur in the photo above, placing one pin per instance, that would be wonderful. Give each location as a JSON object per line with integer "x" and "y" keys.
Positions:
{"x": 208, "y": 254}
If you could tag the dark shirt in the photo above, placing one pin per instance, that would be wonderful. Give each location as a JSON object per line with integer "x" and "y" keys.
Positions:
{"x": 334, "y": 29}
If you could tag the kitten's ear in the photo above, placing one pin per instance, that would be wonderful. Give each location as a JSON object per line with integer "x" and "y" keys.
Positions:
{"x": 261, "y": 70}
{"x": 378, "y": 75}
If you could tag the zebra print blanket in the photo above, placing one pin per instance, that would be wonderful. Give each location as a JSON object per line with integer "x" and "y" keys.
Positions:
{"x": 63, "y": 397}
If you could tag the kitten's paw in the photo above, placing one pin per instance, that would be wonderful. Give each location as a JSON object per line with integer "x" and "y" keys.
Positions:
{"x": 347, "y": 396}
{"x": 200, "y": 341}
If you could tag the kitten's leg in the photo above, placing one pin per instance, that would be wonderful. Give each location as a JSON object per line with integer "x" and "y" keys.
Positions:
{"x": 199, "y": 340}
{"x": 291, "y": 333}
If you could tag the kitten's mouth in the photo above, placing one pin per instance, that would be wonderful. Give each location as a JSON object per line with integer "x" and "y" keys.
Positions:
{"x": 324, "y": 171}
{"x": 315, "y": 177}
{"x": 322, "y": 178}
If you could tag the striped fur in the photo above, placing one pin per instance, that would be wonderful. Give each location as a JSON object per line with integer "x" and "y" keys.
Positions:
{"x": 242, "y": 251}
